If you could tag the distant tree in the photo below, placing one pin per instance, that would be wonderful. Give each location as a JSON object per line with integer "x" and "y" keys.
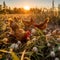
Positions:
{"x": 15, "y": 10}
{"x": 59, "y": 9}
{"x": 0, "y": 7}
{"x": 9, "y": 10}
{"x": 4, "y": 7}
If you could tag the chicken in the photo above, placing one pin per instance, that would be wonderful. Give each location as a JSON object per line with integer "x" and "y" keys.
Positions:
{"x": 43, "y": 25}
{"x": 20, "y": 34}
{"x": 28, "y": 24}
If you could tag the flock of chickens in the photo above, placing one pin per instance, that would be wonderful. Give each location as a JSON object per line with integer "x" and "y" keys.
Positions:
{"x": 21, "y": 34}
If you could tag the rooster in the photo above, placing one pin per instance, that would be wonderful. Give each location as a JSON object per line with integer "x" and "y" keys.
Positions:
{"x": 43, "y": 25}
{"x": 20, "y": 34}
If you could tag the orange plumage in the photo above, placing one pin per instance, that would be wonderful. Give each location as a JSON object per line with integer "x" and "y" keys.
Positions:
{"x": 20, "y": 34}
{"x": 43, "y": 25}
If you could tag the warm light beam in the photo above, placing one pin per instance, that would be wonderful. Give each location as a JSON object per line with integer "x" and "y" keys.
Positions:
{"x": 26, "y": 7}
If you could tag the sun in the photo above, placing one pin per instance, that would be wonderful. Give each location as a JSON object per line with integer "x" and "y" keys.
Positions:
{"x": 27, "y": 7}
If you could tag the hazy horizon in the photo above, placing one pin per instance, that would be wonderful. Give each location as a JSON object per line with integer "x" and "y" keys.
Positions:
{"x": 31, "y": 3}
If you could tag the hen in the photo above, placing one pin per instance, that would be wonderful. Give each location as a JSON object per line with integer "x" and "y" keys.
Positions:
{"x": 43, "y": 25}
{"x": 20, "y": 34}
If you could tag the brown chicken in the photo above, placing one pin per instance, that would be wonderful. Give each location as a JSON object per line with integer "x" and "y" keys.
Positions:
{"x": 20, "y": 34}
{"x": 43, "y": 25}
{"x": 28, "y": 24}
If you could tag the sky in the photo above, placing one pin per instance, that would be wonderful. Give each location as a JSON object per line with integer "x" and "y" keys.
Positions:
{"x": 31, "y": 3}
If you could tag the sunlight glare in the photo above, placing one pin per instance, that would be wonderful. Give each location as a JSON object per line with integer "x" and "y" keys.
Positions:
{"x": 26, "y": 7}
